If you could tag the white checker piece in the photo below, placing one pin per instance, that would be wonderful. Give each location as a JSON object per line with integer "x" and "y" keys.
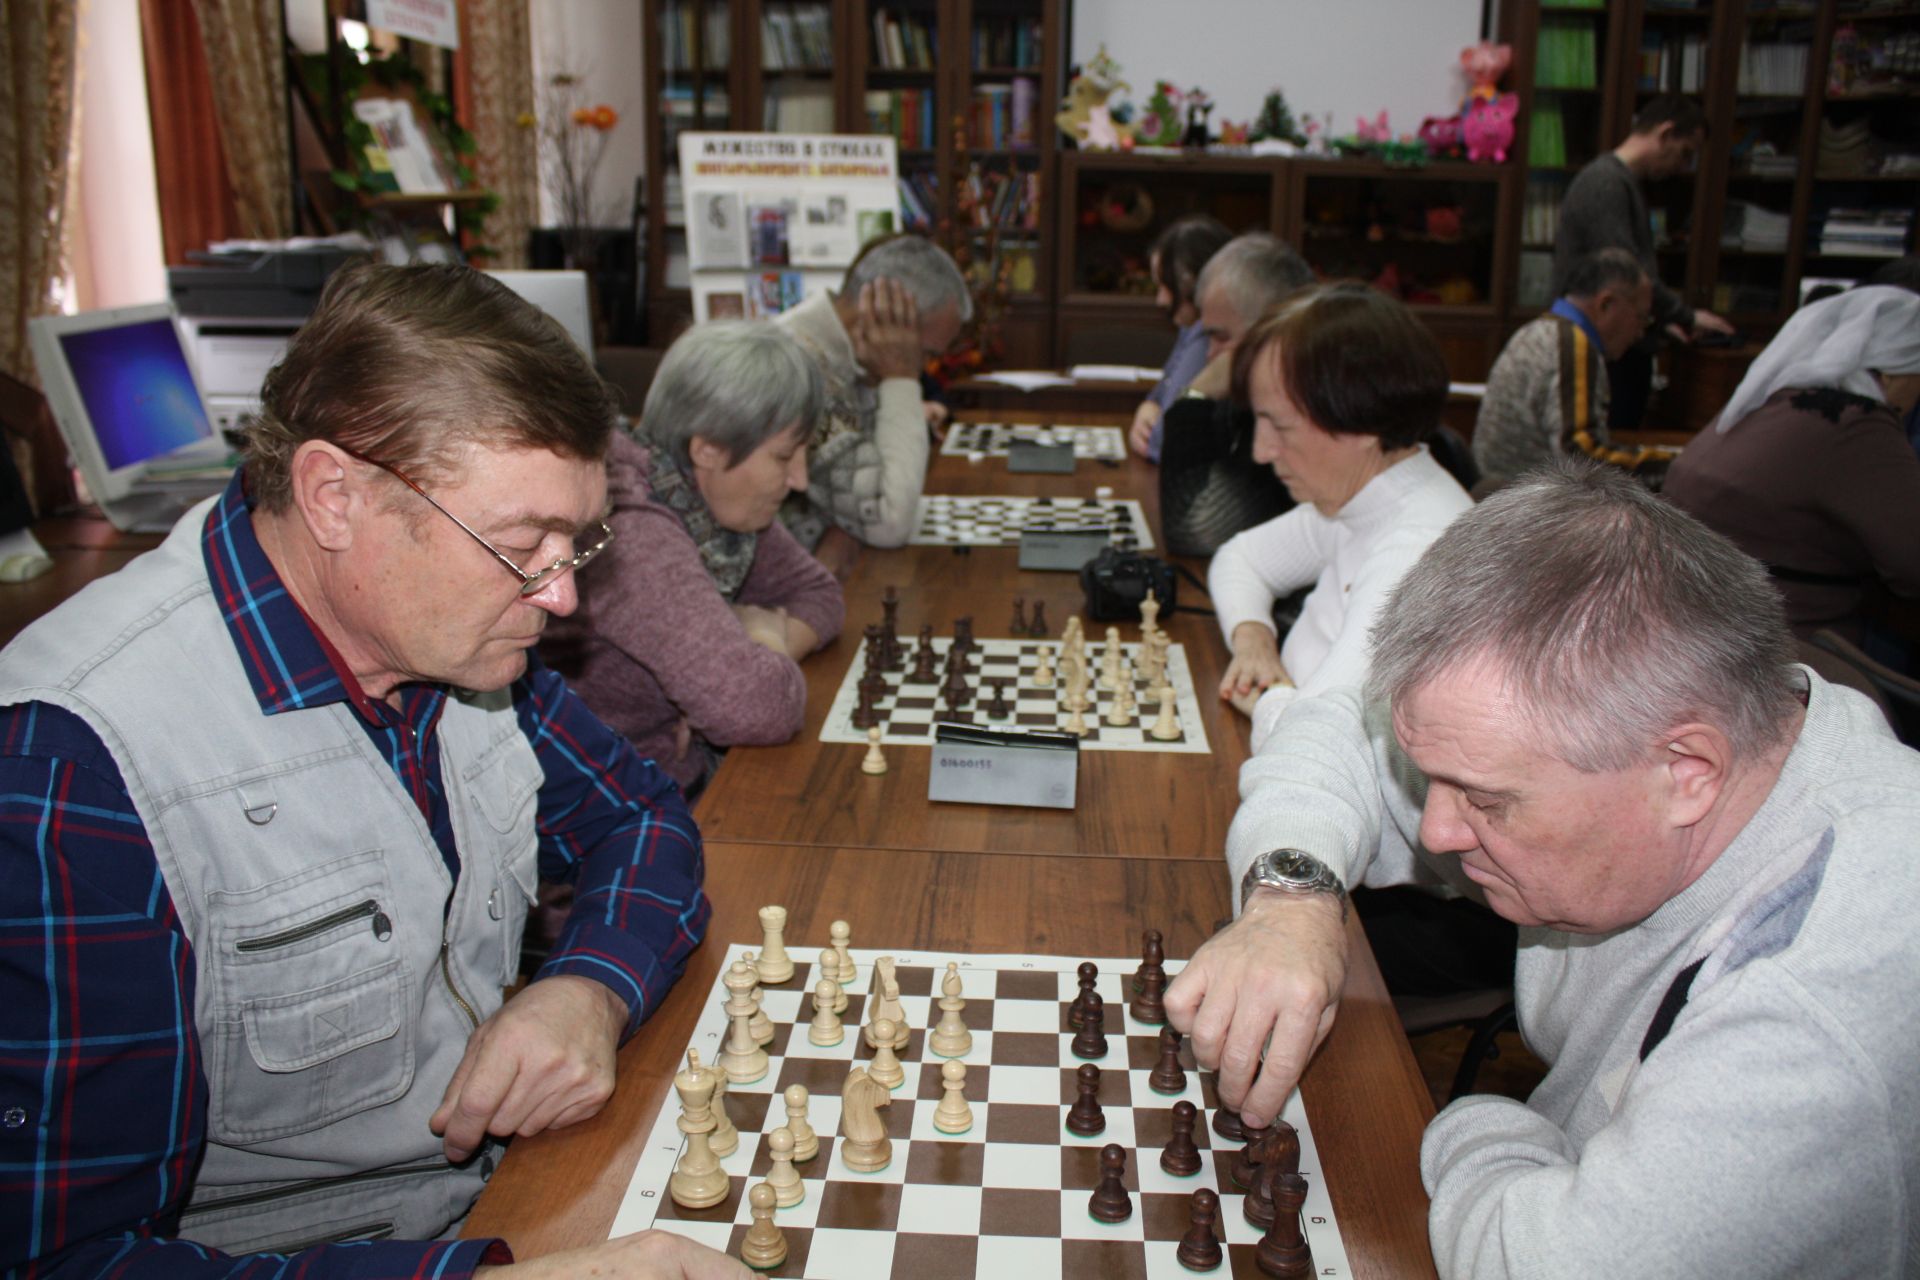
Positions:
{"x": 999, "y": 1217}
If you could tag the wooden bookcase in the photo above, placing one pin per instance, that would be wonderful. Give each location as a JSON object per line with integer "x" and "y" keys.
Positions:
{"x": 710, "y": 65}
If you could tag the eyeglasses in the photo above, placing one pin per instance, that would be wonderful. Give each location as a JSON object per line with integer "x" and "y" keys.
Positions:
{"x": 530, "y": 583}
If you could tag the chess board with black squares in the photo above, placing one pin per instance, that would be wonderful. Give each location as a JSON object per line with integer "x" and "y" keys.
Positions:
{"x": 947, "y": 520}
{"x": 1007, "y": 1200}
{"x": 992, "y": 439}
{"x": 909, "y": 709}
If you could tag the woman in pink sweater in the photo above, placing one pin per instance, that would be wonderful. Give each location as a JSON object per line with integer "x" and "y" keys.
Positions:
{"x": 689, "y": 640}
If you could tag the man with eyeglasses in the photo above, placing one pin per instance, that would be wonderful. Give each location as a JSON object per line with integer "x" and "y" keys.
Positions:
{"x": 274, "y": 804}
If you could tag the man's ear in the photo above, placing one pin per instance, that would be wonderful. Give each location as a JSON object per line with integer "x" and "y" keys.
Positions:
{"x": 327, "y": 491}
{"x": 1697, "y": 760}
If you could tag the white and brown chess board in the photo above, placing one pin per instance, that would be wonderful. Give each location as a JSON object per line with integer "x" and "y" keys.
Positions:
{"x": 992, "y": 439}
{"x": 949, "y": 521}
{"x": 1008, "y": 1198}
{"x": 909, "y": 709}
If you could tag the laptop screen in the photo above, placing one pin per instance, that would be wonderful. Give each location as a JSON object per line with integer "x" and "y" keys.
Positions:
{"x": 137, "y": 389}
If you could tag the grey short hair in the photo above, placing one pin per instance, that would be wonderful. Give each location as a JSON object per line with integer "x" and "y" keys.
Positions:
{"x": 734, "y": 383}
{"x": 1612, "y": 617}
{"x": 919, "y": 265}
{"x": 1256, "y": 271}
{"x": 1603, "y": 268}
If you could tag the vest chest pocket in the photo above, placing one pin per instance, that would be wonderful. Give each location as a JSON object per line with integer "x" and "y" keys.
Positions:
{"x": 310, "y": 998}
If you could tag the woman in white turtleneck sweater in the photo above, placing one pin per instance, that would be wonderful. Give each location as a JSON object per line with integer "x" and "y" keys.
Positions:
{"x": 1345, "y": 383}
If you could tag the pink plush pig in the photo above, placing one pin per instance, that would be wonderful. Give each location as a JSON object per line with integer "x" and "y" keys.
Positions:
{"x": 1489, "y": 128}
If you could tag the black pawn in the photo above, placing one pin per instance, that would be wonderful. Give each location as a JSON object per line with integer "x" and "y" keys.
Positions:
{"x": 1258, "y": 1205}
{"x": 1200, "y": 1247}
{"x": 1110, "y": 1201}
{"x": 1169, "y": 1076}
{"x": 1227, "y": 1124}
{"x": 1152, "y": 956}
{"x": 1019, "y": 624}
{"x": 999, "y": 708}
{"x": 1091, "y": 1040}
{"x": 1282, "y": 1251}
{"x": 1246, "y": 1165}
{"x": 1089, "y": 973}
{"x": 924, "y": 670}
{"x": 1181, "y": 1157}
{"x": 864, "y": 716}
{"x": 1086, "y": 1118}
{"x": 1037, "y": 623}
{"x": 1149, "y": 1004}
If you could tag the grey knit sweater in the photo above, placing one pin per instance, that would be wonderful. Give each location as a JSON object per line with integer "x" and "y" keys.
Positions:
{"x": 1775, "y": 1131}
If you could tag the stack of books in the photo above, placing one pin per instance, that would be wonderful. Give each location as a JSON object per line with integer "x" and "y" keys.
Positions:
{"x": 1866, "y": 233}
{"x": 796, "y": 38}
{"x": 903, "y": 42}
{"x": 1754, "y": 229}
{"x": 1773, "y": 70}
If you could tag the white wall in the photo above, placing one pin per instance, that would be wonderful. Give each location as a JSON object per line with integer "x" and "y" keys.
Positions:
{"x": 600, "y": 41}
{"x": 1351, "y": 57}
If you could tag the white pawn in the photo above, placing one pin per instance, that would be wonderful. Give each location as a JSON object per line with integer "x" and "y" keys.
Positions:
{"x": 951, "y": 1039}
{"x": 788, "y": 1189}
{"x": 765, "y": 1246}
{"x": 726, "y": 1138}
{"x": 806, "y": 1143}
{"x": 1043, "y": 676}
{"x": 1166, "y": 727}
{"x": 826, "y": 1029}
{"x": 1119, "y": 710}
{"x": 830, "y": 965}
{"x": 953, "y": 1115}
{"x": 876, "y": 761}
{"x": 885, "y": 1069}
{"x": 842, "y": 937}
{"x": 775, "y": 965}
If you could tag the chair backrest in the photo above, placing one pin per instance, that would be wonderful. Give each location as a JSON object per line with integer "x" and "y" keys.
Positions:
{"x": 1450, "y": 450}
{"x": 1897, "y": 695}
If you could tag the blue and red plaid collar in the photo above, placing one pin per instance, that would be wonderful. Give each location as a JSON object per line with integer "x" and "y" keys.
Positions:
{"x": 291, "y": 664}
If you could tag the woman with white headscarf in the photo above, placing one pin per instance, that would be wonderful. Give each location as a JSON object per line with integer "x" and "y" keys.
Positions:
{"x": 1808, "y": 468}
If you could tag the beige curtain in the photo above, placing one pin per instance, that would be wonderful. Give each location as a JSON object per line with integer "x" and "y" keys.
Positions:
{"x": 497, "y": 107}
{"x": 246, "y": 55}
{"x": 36, "y": 121}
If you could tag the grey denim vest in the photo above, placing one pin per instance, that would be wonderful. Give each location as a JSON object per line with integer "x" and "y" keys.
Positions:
{"x": 332, "y": 1002}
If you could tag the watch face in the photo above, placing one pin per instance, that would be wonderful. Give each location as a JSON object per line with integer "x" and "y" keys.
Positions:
{"x": 1294, "y": 865}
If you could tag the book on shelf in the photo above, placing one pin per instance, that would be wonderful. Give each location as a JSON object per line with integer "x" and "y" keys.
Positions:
{"x": 1003, "y": 115}
{"x": 1546, "y": 134}
{"x": 683, "y": 29}
{"x": 1540, "y": 213}
{"x": 799, "y": 107}
{"x": 1866, "y": 233}
{"x": 907, "y": 114}
{"x": 919, "y": 199}
{"x": 799, "y": 37}
{"x": 996, "y": 198}
{"x": 1672, "y": 63}
{"x": 903, "y": 42}
{"x": 1006, "y": 42}
{"x": 1777, "y": 69}
{"x": 1565, "y": 57}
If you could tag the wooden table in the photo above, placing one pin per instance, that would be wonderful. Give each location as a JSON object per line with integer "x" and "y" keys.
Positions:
{"x": 1364, "y": 1095}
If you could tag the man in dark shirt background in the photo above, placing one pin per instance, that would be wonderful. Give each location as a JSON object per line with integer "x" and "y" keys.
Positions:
{"x": 1605, "y": 207}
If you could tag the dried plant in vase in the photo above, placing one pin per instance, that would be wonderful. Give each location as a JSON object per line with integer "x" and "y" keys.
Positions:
{"x": 573, "y": 141}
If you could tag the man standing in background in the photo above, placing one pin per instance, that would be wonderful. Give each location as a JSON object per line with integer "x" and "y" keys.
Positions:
{"x": 1605, "y": 208}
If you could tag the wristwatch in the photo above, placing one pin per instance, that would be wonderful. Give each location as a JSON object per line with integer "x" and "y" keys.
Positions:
{"x": 1294, "y": 872}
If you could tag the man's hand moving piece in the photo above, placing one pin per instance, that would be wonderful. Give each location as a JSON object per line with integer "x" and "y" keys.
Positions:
{"x": 1259, "y": 997}
{"x": 544, "y": 1061}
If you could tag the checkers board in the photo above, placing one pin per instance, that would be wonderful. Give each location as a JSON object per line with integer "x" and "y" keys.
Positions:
{"x": 991, "y": 440}
{"x": 1008, "y": 1198}
{"x": 909, "y": 710}
{"x": 949, "y": 521}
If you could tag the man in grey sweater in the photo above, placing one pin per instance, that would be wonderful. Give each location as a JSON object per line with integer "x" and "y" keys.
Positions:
{"x": 1606, "y": 208}
{"x": 1583, "y": 710}
{"x": 903, "y": 302}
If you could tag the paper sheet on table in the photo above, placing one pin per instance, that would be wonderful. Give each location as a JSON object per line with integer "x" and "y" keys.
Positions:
{"x": 1026, "y": 379}
{"x": 1113, "y": 373}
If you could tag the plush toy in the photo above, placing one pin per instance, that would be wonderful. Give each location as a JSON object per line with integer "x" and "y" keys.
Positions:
{"x": 1484, "y": 64}
{"x": 1489, "y": 128}
{"x": 1099, "y": 132}
{"x": 1442, "y": 135}
{"x": 1088, "y": 90}
{"x": 1374, "y": 130}
{"x": 1444, "y": 222}
{"x": 1234, "y": 135}
{"x": 1199, "y": 107}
